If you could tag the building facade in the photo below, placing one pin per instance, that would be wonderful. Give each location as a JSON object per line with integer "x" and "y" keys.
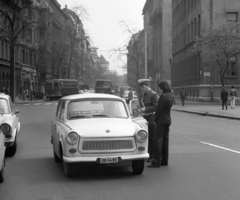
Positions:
{"x": 190, "y": 19}
{"x": 158, "y": 37}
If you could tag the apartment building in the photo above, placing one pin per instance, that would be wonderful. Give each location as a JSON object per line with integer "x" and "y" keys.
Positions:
{"x": 190, "y": 18}
{"x": 158, "y": 37}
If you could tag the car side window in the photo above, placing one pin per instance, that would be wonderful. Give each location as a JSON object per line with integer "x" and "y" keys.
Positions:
{"x": 58, "y": 109}
{"x": 135, "y": 109}
{"x": 62, "y": 114}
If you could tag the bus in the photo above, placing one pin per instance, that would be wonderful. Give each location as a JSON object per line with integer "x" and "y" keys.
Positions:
{"x": 58, "y": 88}
{"x": 103, "y": 86}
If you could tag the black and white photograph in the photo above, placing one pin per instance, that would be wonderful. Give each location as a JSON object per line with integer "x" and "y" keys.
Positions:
{"x": 119, "y": 99}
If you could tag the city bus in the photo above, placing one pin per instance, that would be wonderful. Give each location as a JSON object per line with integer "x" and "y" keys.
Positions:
{"x": 103, "y": 86}
{"x": 57, "y": 88}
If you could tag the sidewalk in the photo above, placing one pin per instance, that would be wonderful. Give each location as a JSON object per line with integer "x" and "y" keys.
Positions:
{"x": 213, "y": 109}
{"x": 20, "y": 101}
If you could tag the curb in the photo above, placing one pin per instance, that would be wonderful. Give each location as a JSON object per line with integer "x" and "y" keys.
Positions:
{"x": 208, "y": 114}
{"x": 24, "y": 102}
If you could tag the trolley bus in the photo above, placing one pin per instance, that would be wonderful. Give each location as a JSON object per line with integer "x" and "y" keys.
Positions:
{"x": 57, "y": 88}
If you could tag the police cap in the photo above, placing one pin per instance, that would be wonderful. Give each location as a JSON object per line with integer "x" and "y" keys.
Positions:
{"x": 143, "y": 81}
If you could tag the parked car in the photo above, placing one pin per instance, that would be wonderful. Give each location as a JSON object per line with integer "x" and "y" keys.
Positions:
{"x": 2, "y": 156}
{"x": 125, "y": 94}
{"x": 9, "y": 124}
{"x": 89, "y": 128}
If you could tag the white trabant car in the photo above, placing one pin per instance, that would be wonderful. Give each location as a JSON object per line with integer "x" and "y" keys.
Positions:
{"x": 9, "y": 124}
{"x": 2, "y": 156}
{"x": 99, "y": 128}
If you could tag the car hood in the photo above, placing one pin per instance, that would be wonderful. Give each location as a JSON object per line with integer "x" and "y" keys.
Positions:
{"x": 103, "y": 127}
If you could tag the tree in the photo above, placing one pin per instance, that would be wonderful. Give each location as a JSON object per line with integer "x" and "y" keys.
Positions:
{"x": 133, "y": 52}
{"x": 220, "y": 44}
{"x": 15, "y": 19}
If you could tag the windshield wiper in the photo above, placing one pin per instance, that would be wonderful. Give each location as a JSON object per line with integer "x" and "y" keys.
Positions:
{"x": 80, "y": 116}
{"x": 101, "y": 116}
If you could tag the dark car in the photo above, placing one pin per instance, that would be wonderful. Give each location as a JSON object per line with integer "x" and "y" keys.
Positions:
{"x": 103, "y": 86}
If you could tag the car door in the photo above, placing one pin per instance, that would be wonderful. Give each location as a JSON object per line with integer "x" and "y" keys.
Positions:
{"x": 136, "y": 114}
{"x": 55, "y": 127}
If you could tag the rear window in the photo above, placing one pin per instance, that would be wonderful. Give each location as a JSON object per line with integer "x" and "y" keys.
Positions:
{"x": 68, "y": 84}
{"x": 103, "y": 84}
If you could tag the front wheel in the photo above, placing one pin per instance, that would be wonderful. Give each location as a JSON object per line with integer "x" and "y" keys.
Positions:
{"x": 56, "y": 158}
{"x": 10, "y": 151}
{"x": 69, "y": 169}
{"x": 138, "y": 166}
{"x": 2, "y": 172}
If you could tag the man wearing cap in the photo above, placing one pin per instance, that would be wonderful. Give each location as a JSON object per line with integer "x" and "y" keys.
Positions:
{"x": 149, "y": 104}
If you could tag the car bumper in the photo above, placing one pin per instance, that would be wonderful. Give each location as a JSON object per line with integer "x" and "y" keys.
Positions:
{"x": 94, "y": 158}
{"x": 9, "y": 143}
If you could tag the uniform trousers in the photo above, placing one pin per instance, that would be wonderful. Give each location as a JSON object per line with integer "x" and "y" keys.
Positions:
{"x": 161, "y": 144}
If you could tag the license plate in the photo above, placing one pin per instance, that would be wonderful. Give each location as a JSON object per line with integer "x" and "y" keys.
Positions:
{"x": 109, "y": 160}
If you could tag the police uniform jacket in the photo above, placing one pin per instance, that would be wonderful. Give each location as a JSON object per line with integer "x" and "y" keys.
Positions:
{"x": 162, "y": 115}
{"x": 149, "y": 100}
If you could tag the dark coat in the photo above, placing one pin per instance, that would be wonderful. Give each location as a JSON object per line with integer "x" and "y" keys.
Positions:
{"x": 224, "y": 95}
{"x": 162, "y": 115}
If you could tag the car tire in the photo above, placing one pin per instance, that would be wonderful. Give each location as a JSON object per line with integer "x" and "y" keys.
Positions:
{"x": 10, "y": 151}
{"x": 2, "y": 172}
{"x": 69, "y": 169}
{"x": 56, "y": 158}
{"x": 138, "y": 166}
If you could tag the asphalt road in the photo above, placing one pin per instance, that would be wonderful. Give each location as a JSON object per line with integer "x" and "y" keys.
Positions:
{"x": 204, "y": 164}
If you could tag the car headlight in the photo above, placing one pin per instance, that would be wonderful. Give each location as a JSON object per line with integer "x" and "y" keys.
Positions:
{"x": 141, "y": 136}
{"x": 72, "y": 137}
{"x": 6, "y": 129}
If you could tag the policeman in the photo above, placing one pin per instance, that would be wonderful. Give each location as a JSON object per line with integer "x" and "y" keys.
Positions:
{"x": 149, "y": 104}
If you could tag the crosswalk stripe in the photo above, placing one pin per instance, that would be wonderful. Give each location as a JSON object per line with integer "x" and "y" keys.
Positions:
{"x": 37, "y": 104}
{"x": 47, "y": 103}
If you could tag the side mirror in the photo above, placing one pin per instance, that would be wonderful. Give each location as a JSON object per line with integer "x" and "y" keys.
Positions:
{"x": 16, "y": 112}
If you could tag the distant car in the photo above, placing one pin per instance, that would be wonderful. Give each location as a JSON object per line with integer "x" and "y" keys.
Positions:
{"x": 2, "y": 156}
{"x": 89, "y": 128}
{"x": 9, "y": 124}
{"x": 126, "y": 92}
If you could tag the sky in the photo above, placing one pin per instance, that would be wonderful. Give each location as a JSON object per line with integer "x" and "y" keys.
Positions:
{"x": 103, "y": 26}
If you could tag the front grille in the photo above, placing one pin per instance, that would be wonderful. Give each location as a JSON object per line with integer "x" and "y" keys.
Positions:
{"x": 110, "y": 145}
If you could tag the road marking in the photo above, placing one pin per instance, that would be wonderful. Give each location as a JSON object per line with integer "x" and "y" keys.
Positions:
{"x": 47, "y": 103}
{"x": 37, "y": 104}
{"x": 26, "y": 104}
{"x": 213, "y": 145}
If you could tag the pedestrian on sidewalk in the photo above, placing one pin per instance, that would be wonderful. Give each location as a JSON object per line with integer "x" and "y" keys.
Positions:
{"x": 232, "y": 94}
{"x": 163, "y": 121}
{"x": 148, "y": 103}
{"x": 224, "y": 98}
{"x": 183, "y": 94}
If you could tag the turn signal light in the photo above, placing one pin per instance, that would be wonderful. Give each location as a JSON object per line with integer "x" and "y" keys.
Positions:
{"x": 72, "y": 150}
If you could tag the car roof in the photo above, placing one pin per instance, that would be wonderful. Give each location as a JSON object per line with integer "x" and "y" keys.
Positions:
{"x": 91, "y": 95}
{"x": 4, "y": 96}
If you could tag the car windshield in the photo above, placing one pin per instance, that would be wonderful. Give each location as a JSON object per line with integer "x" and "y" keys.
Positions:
{"x": 4, "y": 108}
{"x": 96, "y": 108}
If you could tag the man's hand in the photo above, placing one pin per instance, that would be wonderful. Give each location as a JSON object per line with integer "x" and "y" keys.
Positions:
{"x": 142, "y": 109}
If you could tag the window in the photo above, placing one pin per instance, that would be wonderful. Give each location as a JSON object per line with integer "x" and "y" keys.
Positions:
{"x": 62, "y": 114}
{"x": 58, "y": 109}
{"x": 231, "y": 17}
{"x": 232, "y": 70}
